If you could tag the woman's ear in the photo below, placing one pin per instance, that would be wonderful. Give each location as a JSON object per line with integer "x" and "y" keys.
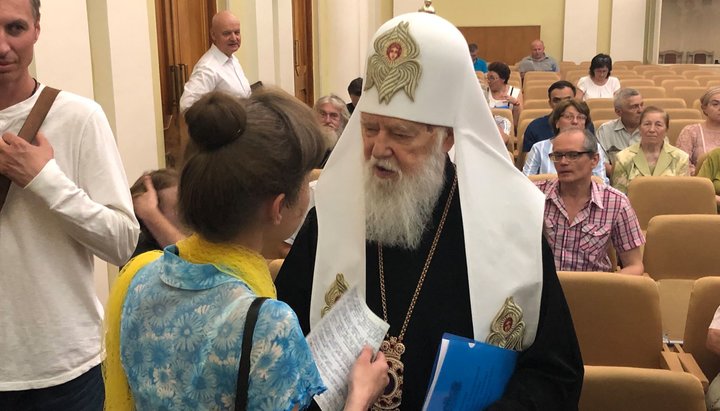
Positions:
{"x": 276, "y": 207}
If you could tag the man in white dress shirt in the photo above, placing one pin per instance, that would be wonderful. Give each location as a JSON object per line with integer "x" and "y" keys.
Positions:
{"x": 218, "y": 68}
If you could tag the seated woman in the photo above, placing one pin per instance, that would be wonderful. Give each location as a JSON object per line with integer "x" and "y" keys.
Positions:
{"x": 155, "y": 203}
{"x": 652, "y": 156}
{"x": 568, "y": 113}
{"x": 711, "y": 169}
{"x": 697, "y": 139}
{"x": 175, "y": 319}
{"x": 599, "y": 84}
{"x": 501, "y": 94}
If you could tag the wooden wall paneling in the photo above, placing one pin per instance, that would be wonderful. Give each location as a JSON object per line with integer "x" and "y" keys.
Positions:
{"x": 508, "y": 44}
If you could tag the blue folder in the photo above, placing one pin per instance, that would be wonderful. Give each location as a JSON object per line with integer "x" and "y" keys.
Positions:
{"x": 468, "y": 375}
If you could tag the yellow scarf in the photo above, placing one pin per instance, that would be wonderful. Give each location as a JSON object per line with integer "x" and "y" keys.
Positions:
{"x": 239, "y": 262}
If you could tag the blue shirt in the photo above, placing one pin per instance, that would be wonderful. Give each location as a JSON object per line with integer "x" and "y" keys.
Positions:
{"x": 539, "y": 130}
{"x": 181, "y": 337}
{"x": 538, "y": 161}
{"x": 480, "y": 65}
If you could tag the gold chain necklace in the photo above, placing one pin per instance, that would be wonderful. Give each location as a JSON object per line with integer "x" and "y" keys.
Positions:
{"x": 393, "y": 347}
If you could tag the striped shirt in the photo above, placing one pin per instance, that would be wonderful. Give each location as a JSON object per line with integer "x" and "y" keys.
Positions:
{"x": 582, "y": 244}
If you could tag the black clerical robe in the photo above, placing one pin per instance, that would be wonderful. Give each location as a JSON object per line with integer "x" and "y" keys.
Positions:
{"x": 548, "y": 374}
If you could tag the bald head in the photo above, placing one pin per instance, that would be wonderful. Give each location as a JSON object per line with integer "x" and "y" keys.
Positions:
{"x": 537, "y": 49}
{"x": 225, "y": 32}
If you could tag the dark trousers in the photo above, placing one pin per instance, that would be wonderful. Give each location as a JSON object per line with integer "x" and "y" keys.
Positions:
{"x": 84, "y": 393}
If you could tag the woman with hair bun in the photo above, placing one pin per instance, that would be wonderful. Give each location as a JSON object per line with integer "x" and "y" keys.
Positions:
{"x": 175, "y": 319}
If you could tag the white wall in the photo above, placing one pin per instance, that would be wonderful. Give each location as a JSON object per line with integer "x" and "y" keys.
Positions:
{"x": 627, "y": 36}
{"x": 64, "y": 61}
{"x": 266, "y": 53}
{"x": 102, "y": 50}
{"x": 345, "y": 30}
{"x": 581, "y": 30}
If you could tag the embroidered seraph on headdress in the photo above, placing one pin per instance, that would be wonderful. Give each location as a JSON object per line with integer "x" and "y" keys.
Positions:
{"x": 394, "y": 65}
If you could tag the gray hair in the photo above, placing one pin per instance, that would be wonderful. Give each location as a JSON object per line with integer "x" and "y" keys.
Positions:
{"x": 705, "y": 99}
{"x": 622, "y": 95}
{"x": 35, "y": 6}
{"x": 590, "y": 143}
{"x": 339, "y": 105}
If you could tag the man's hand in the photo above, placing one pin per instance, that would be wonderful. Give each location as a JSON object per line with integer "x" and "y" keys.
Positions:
{"x": 21, "y": 161}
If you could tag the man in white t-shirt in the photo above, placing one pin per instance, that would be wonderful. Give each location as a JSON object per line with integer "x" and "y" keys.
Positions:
{"x": 218, "y": 68}
{"x": 68, "y": 201}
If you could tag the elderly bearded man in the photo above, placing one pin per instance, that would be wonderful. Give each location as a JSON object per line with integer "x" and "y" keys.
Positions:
{"x": 436, "y": 247}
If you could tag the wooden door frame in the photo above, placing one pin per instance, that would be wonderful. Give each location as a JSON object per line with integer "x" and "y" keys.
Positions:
{"x": 307, "y": 49}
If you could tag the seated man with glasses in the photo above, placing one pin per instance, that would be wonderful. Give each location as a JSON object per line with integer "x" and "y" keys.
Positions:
{"x": 582, "y": 216}
{"x": 567, "y": 113}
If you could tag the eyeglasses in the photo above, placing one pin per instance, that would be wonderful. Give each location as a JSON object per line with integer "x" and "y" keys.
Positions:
{"x": 571, "y": 117}
{"x": 491, "y": 78}
{"x": 324, "y": 114}
{"x": 570, "y": 155}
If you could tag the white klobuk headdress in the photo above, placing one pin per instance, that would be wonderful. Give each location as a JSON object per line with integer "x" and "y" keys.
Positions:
{"x": 419, "y": 69}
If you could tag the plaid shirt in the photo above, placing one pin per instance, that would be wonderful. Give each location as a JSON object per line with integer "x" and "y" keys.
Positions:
{"x": 582, "y": 244}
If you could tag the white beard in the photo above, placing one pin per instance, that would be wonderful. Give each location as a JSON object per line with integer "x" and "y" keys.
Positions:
{"x": 398, "y": 211}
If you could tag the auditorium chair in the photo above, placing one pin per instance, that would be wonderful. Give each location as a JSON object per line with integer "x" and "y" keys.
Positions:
{"x": 535, "y": 92}
{"x": 534, "y": 104}
{"x": 659, "y": 78}
{"x": 617, "y": 319}
{"x": 691, "y": 74}
{"x": 679, "y": 250}
{"x": 541, "y": 75}
{"x": 532, "y": 114}
{"x": 639, "y": 389}
{"x": 605, "y": 114}
{"x": 670, "y": 84}
{"x": 645, "y": 68}
{"x": 538, "y": 83}
{"x": 651, "y": 92}
{"x": 676, "y": 127}
{"x": 680, "y": 68}
{"x": 618, "y": 323}
{"x": 704, "y": 300}
{"x": 632, "y": 83}
{"x": 689, "y": 94}
{"x": 704, "y": 80}
{"x": 651, "y": 196}
{"x": 594, "y": 103}
{"x": 665, "y": 103}
{"x": 684, "y": 113}
{"x": 519, "y": 155}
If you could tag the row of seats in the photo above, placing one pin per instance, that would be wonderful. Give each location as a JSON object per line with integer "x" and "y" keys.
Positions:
{"x": 688, "y": 90}
{"x": 617, "y": 319}
{"x": 651, "y": 78}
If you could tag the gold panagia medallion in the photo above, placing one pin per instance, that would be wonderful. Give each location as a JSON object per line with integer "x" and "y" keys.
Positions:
{"x": 391, "y": 398}
{"x": 394, "y": 65}
{"x": 336, "y": 290}
{"x": 507, "y": 328}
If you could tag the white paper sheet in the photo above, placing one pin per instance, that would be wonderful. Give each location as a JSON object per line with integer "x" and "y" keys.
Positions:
{"x": 338, "y": 339}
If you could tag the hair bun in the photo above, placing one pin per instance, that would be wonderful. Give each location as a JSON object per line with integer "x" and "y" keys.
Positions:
{"x": 215, "y": 120}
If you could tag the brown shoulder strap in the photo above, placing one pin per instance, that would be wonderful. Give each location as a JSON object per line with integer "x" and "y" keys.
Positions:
{"x": 30, "y": 129}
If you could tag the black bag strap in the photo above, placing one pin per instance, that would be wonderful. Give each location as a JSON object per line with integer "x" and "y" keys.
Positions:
{"x": 241, "y": 392}
{"x": 30, "y": 128}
